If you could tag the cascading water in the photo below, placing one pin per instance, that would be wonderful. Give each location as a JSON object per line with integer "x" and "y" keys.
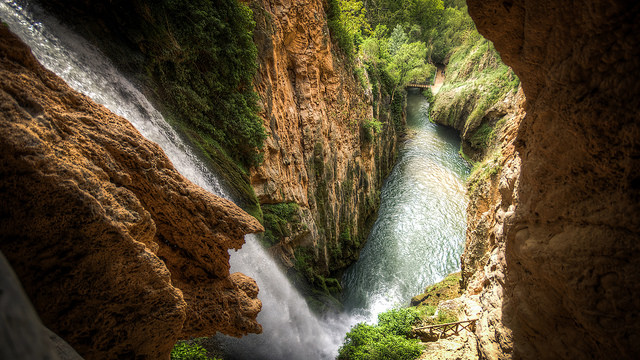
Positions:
{"x": 291, "y": 331}
{"x": 416, "y": 240}
{"x": 418, "y": 236}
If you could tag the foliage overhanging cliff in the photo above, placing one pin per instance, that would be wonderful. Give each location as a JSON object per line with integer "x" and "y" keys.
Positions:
{"x": 309, "y": 146}
{"x": 197, "y": 62}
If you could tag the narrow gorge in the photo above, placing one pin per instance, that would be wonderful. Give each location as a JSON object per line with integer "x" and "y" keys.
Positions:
{"x": 140, "y": 141}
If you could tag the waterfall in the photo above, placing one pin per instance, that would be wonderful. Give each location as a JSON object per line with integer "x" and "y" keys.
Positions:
{"x": 291, "y": 331}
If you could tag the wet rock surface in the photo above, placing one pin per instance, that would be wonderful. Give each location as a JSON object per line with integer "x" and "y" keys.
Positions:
{"x": 119, "y": 253}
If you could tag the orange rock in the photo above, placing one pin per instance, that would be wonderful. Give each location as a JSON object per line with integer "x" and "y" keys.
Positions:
{"x": 119, "y": 253}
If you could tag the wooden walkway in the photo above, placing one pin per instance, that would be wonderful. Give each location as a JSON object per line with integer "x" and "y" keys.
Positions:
{"x": 434, "y": 332}
{"x": 419, "y": 86}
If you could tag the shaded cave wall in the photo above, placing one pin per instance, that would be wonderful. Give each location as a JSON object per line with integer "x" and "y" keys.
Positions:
{"x": 569, "y": 222}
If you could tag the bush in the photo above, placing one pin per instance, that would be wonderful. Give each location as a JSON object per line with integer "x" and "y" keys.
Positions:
{"x": 387, "y": 340}
{"x": 186, "y": 351}
{"x": 277, "y": 221}
{"x": 399, "y": 321}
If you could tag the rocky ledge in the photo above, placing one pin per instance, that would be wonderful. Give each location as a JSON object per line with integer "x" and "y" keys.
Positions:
{"x": 119, "y": 253}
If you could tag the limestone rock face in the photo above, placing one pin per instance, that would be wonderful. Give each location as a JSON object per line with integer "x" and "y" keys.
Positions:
{"x": 314, "y": 155}
{"x": 561, "y": 279}
{"x": 119, "y": 253}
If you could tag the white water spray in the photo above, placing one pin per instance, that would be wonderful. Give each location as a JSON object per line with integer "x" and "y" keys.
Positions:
{"x": 291, "y": 331}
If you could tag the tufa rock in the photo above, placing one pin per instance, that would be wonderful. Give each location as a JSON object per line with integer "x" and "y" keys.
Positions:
{"x": 119, "y": 253}
{"x": 314, "y": 155}
{"x": 560, "y": 279}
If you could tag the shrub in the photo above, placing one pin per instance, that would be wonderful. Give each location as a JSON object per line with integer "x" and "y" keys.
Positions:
{"x": 387, "y": 340}
{"x": 399, "y": 321}
{"x": 370, "y": 127}
{"x": 186, "y": 351}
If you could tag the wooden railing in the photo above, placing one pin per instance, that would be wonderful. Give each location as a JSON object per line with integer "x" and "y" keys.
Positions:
{"x": 444, "y": 330}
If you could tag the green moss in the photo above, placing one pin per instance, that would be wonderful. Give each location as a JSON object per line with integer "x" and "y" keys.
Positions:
{"x": 279, "y": 219}
{"x": 397, "y": 111}
{"x": 448, "y": 288}
{"x": 483, "y": 171}
{"x": 203, "y": 60}
{"x": 483, "y": 136}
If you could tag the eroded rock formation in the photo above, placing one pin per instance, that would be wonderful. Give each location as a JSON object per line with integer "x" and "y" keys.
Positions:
{"x": 313, "y": 108}
{"x": 119, "y": 253}
{"x": 560, "y": 277}
{"x": 315, "y": 155}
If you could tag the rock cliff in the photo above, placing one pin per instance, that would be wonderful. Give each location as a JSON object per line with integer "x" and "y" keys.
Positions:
{"x": 317, "y": 158}
{"x": 119, "y": 253}
{"x": 477, "y": 95}
{"x": 318, "y": 185}
{"x": 560, "y": 222}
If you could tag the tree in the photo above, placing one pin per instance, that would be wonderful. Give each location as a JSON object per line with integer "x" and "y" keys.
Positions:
{"x": 408, "y": 64}
{"x": 353, "y": 18}
{"x": 397, "y": 39}
{"x": 374, "y": 49}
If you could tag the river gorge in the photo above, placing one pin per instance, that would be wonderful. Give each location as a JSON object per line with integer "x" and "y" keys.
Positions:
{"x": 256, "y": 174}
{"x": 419, "y": 234}
{"x": 416, "y": 240}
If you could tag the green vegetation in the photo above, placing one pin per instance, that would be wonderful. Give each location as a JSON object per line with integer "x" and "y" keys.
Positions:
{"x": 203, "y": 59}
{"x": 321, "y": 292}
{"x": 396, "y": 59}
{"x": 428, "y": 316}
{"x": 188, "y": 351}
{"x": 279, "y": 219}
{"x": 428, "y": 94}
{"x": 386, "y": 340}
{"x": 476, "y": 80}
{"x": 484, "y": 171}
{"x": 448, "y": 288}
{"x": 370, "y": 127}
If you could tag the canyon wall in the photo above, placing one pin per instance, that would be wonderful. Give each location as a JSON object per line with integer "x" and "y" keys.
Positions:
{"x": 558, "y": 273}
{"x": 317, "y": 188}
{"x": 477, "y": 95}
{"x": 319, "y": 162}
{"x": 119, "y": 253}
